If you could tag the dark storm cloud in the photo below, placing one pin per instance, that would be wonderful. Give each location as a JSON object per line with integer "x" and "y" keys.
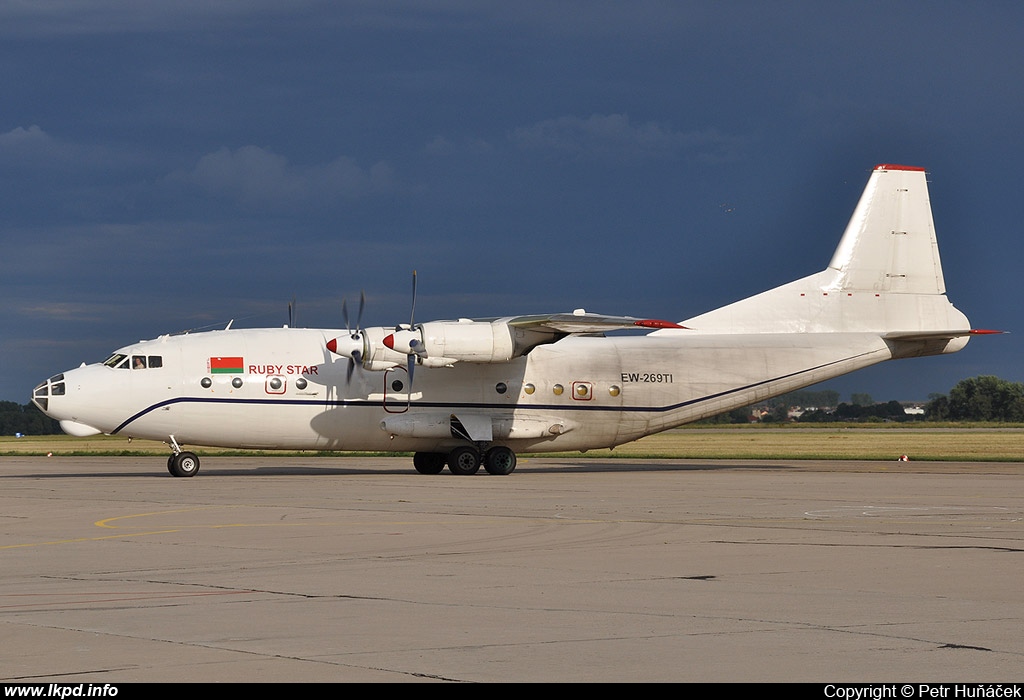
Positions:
{"x": 171, "y": 165}
{"x": 257, "y": 177}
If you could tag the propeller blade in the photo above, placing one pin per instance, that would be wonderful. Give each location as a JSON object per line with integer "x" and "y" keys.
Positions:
{"x": 412, "y": 314}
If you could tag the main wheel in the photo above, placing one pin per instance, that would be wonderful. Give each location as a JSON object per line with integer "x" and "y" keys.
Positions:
{"x": 429, "y": 462}
{"x": 500, "y": 461}
{"x": 183, "y": 464}
{"x": 464, "y": 461}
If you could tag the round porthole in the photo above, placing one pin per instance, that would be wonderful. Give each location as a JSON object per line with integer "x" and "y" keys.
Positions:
{"x": 501, "y": 387}
{"x": 237, "y": 382}
{"x": 275, "y": 383}
{"x": 300, "y": 383}
{"x": 558, "y": 389}
{"x": 206, "y": 382}
{"x": 614, "y": 390}
{"x": 529, "y": 388}
{"x": 397, "y": 385}
{"x": 582, "y": 390}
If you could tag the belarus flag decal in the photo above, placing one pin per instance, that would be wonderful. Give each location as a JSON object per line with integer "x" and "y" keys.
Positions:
{"x": 226, "y": 365}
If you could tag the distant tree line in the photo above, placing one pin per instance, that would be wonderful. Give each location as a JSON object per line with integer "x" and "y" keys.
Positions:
{"x": 889, "y": 411}
{"x": 984, "y": 398}
{"x": 27, "y": 420}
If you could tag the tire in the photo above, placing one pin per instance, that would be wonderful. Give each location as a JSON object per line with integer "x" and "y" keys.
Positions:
{"x": 464, "y": 461}
{"x": 183, "y": 464}
{"x": 429, "y": 462}
{"x": 500, "y": 461}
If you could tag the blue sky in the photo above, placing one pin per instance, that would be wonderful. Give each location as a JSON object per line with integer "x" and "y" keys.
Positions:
{"x": 171, "y": 166}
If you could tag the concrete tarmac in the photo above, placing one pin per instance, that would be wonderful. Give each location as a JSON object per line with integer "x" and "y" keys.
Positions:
{"x": 358, "y": 569}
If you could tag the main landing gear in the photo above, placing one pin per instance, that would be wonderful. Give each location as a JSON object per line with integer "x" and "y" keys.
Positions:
{"x": 467, "y": 460}
{"x": 182, "y": 463}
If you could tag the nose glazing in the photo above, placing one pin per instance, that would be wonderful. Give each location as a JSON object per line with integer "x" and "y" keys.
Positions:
{"x": 54, "y": 386}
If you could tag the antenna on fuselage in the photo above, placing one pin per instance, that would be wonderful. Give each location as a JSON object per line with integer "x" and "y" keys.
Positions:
{"x": 292, "y": 313}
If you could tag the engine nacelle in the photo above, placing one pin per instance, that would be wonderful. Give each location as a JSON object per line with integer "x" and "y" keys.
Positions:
{"x": 467, "y": 341}
{"x": 435, "y": 344}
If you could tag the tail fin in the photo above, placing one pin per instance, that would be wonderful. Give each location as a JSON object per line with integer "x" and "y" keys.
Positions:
{"x": 885, "y": 277}
{"x": 889, "y": 244}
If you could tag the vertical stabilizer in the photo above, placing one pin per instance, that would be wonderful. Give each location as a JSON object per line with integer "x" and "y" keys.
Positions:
{"x": 885, "y": 276}
{"x": 889, "y": 244}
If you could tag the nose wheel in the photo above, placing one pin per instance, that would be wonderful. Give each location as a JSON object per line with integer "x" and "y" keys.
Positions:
{"x": 183, "y": 464}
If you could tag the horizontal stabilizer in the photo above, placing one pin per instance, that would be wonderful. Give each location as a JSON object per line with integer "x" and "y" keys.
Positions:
{"x": 930, "y": 335}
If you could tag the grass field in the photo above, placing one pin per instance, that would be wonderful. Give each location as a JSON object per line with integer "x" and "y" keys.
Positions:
{"x": 976, "y": 442}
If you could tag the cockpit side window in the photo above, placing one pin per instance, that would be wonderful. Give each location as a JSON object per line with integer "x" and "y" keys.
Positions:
{"x": 138, "y": 362}
{"x": 156, "y": 361}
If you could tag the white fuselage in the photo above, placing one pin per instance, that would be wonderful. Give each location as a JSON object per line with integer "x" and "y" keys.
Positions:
{"x": 286, "y": 391}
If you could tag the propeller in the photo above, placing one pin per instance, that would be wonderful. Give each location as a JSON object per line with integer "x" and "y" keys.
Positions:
{"x": 415, "y": 345}
{"x": 354, "y": 344}
{"x": 412, "y": 326}
{"x": 355, "y": 347}
{"x": 412, "y": 314}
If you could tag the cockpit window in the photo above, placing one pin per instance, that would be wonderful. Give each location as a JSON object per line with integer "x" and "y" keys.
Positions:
{"x": 144, "y": 362}
{"x": 116, "y": 360}
{"x": 121, "y": 361}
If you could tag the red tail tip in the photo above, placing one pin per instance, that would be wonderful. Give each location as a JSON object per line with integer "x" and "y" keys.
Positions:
{"x": 893, "y": 166}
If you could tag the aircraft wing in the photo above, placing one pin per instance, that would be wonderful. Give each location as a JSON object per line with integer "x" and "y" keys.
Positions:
{"x": 443, "y": 343}
{"x": 581, "y": 322}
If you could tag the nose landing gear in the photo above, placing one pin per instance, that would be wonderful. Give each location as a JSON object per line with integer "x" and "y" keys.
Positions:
{"x": 182, "y": 463}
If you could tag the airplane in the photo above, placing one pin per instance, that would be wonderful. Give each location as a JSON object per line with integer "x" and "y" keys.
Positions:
{"x": 472, "y": 392}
